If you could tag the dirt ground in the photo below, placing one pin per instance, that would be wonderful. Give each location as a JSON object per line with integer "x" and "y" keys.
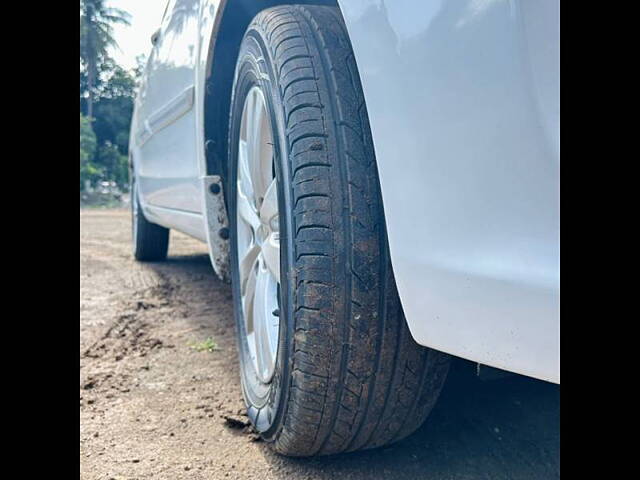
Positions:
{"x": 154, "y": 406}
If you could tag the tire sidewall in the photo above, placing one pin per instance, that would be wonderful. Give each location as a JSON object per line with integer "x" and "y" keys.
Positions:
{"x": 265, "y": 402}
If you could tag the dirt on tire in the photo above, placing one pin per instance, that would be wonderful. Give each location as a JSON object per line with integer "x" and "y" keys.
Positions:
{"x": 160, "y": 395}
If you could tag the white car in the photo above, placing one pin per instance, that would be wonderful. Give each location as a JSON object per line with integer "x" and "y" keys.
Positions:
{"x": 379, "y": 180}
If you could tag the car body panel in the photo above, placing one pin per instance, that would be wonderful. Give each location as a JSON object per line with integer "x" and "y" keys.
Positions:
{"x": 463, "y": 102}
{"x": 165, "y": 136}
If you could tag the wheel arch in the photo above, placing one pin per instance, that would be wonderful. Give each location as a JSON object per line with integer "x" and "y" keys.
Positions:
{"x": 231, "y": 21}
{"x": 222, "y": 25}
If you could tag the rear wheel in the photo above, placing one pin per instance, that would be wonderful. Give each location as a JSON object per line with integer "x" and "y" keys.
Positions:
{"x": 150, "y": 241}
{"x": 327, "y": 362}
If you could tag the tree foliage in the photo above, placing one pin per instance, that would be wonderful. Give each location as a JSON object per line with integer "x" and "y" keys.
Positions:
{"x": 114, "y": 107}
{"x": 110, "y": 158}
{"x": 106, "y": 95}
{"x": 88, "y": 170}
{"x": 96, "y": 36}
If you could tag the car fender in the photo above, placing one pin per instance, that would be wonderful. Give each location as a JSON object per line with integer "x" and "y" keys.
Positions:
{"x": 463, "y": 102}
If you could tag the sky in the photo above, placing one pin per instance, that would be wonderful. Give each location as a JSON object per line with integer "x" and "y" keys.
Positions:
{"x": 136, "y": 39}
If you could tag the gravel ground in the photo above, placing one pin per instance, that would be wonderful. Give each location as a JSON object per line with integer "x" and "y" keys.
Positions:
{"x": 153, "y": 405}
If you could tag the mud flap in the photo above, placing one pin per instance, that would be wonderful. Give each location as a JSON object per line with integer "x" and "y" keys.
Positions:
{"x": 217, "y": 226}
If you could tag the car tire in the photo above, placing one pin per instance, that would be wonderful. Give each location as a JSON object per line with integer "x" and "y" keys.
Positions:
{"x": 347, "y": 375}
{"x": 150, "y": 241}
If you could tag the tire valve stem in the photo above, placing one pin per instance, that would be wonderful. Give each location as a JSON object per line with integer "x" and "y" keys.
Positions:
{"x": 276, "y": 312}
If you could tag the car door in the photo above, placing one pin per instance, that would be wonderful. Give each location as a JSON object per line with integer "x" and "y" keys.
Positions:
{"x": 167, "y": 168}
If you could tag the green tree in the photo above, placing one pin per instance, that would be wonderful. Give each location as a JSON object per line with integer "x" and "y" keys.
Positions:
{"x": 96, "y": 36}
{"x": 113, "y": 108}
{"x": 88, "y": 171}
{"x": 113, "y": 163}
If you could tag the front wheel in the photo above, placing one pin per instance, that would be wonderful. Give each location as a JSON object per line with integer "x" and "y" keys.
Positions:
{"x": 328, "y": 364}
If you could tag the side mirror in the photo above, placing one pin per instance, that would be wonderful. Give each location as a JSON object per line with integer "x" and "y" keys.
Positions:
{"x": 155, "y": 36}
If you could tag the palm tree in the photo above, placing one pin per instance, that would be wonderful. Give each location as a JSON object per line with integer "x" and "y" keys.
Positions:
{"x": 96, "y": 36}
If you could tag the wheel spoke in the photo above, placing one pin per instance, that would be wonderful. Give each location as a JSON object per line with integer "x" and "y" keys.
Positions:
{"x": 247, "y": 266}
{"x": 261, "y": 145}
{"x": 246, "y": 211}
{"x": 246, "y": 140}
{"x": 269, "y": 208}
{"x": 248, "y": 300}
{"x": 271, "y": 254}
{"x": 263, "y": 322}
{"x": 255, "y": 139}
{"x": 244, "y": 171}
{"x": 248, "y": 116}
